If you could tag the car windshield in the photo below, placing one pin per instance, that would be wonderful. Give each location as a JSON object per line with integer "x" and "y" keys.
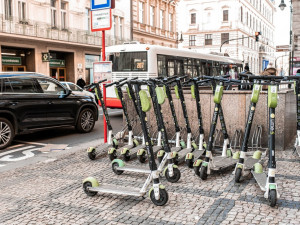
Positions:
{"x": 74, "y": 87}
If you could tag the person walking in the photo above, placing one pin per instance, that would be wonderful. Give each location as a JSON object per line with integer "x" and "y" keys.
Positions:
{"x": 80, "y": 82}
{"x": 245, "y": 87}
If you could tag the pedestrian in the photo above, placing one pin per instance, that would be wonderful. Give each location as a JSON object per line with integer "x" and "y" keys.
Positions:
{"x": 80, "y": 82}
{"x": 246, "y": 71}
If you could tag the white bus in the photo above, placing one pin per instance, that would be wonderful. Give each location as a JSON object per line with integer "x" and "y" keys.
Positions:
{"x": 146, "y": 61}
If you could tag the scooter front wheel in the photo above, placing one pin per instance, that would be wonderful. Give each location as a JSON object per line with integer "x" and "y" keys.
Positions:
{"x": 115, "y": 166}
{"x": 237, "y": 175}
{"x": 92, "y": 155}
{"x": 203, "y": 172}
{"x": 142, "y": 158}
{"x": 163, "y": 197}
{"x": 86, "y": 185}
{"x": 272, "y": 197}
{"x": 176, "y": 175}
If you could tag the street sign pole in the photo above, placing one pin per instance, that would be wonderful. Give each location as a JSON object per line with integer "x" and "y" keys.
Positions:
{"x": 104, "y": 89}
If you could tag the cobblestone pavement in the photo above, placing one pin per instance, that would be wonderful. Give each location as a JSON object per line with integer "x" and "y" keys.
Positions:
{"x": 51, "y": 192}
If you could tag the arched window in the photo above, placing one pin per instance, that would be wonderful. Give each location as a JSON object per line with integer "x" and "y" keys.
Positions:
{"x": 242, "y": 14}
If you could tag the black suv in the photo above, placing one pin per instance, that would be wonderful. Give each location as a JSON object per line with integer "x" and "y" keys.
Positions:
{"x": 31, "y": 101}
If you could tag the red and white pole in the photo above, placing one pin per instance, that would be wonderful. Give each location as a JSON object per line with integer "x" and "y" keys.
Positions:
{"x": 104, "y": 89}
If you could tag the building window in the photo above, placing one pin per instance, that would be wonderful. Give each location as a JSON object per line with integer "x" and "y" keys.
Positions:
{"x": 192, "y": 40}
{"x": 208, "y": 39}
{"x": 63, "y": 12}
{"x": 141, "y": 12}
{"x": 224, "y": 37}
{"x": 8, "y": 9}
{"x": 121, "y": 20}
{"x": 242, "y": 14}
{"x": 170, "y": 22}
{"x": 152, "y": 16}
{"x": 22, "y": 10}
{"x": 115, "y": 26}
{"x": 162, "y": 20}
{"x": 193, "y": 18}
{"x": 225, "y": 15}
{"x": 53, "y": 13}
{"x": 88, "y": 19}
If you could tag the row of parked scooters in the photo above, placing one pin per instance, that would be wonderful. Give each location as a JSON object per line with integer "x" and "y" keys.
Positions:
{"x": 201, "y": 157}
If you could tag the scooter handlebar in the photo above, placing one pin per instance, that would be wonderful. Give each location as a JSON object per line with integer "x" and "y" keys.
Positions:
{"x": 116, "y": 82}
{"x": 101, "y": 81}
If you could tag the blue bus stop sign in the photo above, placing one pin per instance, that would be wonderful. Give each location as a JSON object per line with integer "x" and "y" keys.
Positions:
{"x": 100, "y": 4}
{"x": 265, "y": 64}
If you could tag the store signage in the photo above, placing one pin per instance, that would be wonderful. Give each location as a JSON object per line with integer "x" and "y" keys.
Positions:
{"x": 57, "y": 63}
{"x": 100, "y": 4}
{"x": 45, "y": 56}
{"x": 102, "y": 70}
{"x": 101, "y": 20}
{"x": 7, "y": 60}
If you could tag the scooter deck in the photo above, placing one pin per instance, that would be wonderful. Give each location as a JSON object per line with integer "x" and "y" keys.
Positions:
{"x": 221, "y": 162}
{"x": 249, "y": 163}
{"x": 133, "y": 151}
{"x": 112, "y": 189}
{"x": 182, "y": 153}
{"x": 135, "y": 169}
{"x": 175, "y": 149}
{"x": 102, "y": 149}
{"x": 261, "y": 179}
{"x": 198, "y": 153}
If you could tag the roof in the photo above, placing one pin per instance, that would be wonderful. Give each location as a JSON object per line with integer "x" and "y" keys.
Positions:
{"x": 22, "y": 74}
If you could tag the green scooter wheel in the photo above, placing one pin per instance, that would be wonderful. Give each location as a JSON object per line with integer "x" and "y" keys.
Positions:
{"x": 237, "y": 175}
{"x": 86, "y": 185}
{"x": 115, "y": 166}
{"x": 142, "y": 158}
{"x": 176, "y": 175}
{"x": 272, "y": 197}
{"x": 126, "y": 156}
{"x": 203, "y": 172}
{"x": 112, "y": 156}
{"x": 197, "y": 170}
{"x": 92, "y": 154}
{"x": 163, "y": 197}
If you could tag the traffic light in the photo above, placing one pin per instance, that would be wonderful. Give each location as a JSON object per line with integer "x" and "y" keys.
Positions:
{"x": 257, "y": 36}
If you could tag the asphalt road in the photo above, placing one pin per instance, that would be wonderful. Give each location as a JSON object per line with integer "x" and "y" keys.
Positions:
{"x": 26, "y": 147}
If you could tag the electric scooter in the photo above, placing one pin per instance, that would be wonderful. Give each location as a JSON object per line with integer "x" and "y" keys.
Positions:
{"x": 216, "y": 163}
{"x": 112, "y": 152}
{"x": 171, "y": 171}
{"x": 297, "y": 93}
{"x": 112, "y": 142}
{"x": 265, "y": 181}
{"x": 246, "y": 163}
{"x": 158, "y": 194}
{"x": 179, "y": 156}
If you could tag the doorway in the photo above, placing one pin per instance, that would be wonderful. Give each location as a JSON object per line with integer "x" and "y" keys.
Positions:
{"x": 58, "y": 73}
{"x": 13, "y": 68}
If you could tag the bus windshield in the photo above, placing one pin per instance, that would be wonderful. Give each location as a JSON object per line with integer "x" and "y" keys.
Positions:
{"x": 128, "y": 61}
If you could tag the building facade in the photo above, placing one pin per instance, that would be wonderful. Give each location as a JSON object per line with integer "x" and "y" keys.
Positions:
{"x": 154, "y": 22}
{"x": 53, "y": 37}
{"x": 296, "y": 35}
{"x": 210, "y": 24}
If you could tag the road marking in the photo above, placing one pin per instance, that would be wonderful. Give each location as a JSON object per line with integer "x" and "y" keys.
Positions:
{"x": 16, "y": 150}
{"x": 31, "y": 143}
{"x": 27, "y": 153}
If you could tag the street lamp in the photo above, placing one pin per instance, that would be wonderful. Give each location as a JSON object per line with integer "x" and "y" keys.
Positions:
{"x": 282, "y": 5}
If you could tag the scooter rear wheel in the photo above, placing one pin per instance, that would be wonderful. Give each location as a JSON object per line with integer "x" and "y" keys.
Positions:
{"x": 238, "y": 174}
{"x": 126, "y": 156}
{"x": 272, "y": 197}
{"x": 85, "y": 189}
{"x": 176, "y": 175}
{"x": 189, "y": 162}
{"x": 197, "y": 170}
{"x": 112, "y": 156}
{"x": 160, "y": 158}
{"x": 203, "y": 172}
{"x": 176, "y": 160}
{"x": 115, "y": 166}
{"x": 92, "y": 154}
{"x": 142, "y": 158}
{"x": 163, "y": 197}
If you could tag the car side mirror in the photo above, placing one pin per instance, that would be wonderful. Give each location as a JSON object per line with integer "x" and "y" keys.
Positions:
{"x": 66, "y": 93}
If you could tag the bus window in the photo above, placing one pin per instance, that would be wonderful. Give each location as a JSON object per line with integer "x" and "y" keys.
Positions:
{"x": 171, "y": 68}
{"x": 161, "y": 66}
{"x": 129, "y": 61}
{"x": 203, "y": 68}
{"x": 179, "y": 67}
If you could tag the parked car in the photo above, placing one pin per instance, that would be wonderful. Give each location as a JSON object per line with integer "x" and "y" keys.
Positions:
{"x": 76, "y": 89}
{"x": 31, "y": 101}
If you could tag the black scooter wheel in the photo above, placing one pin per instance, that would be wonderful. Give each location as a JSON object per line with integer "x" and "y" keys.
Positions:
{"x": 115, "y": 166}
{"x": 163, "y": 197}
{"x": 272, "y": 197}
{"x": 238, "y": 174}
{"x": 203, "y": 172}
{"x": 112, "y": 156}
{"x": 86, "y": 185}
{"x": 189, "y": 162}
{"x": 197, "y": 170}
{"x": 176, "y": 175}
{"x": 92, "y": 155}
{"x": 142, "y": 158}
{"x": 126, "y": 156}
{"x": 160, "y": 158}
{"x": 176, "y": 160}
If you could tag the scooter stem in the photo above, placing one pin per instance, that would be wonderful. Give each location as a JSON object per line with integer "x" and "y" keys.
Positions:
{"x": 177, "y": 139}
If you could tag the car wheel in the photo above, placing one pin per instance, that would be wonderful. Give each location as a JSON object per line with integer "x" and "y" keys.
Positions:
{"x": 86, "y": 121}
{"x": 6, "y": 133}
